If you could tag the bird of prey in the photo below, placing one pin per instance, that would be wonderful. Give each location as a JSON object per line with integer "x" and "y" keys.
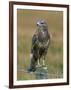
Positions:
{"x": 40, "y": 44}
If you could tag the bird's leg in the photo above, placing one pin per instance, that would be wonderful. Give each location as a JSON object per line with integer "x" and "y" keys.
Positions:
{"x": 43, "y": 61}
{"x": 38, "y": 62}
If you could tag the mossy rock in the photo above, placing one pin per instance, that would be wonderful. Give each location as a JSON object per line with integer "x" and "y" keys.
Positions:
{"x": 41, "y": 72}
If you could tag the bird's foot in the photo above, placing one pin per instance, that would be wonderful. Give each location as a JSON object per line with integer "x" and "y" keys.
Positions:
{"x": 39, "y": 65}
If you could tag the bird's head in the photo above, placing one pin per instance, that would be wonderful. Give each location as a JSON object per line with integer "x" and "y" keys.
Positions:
{"x": 41, "y": 25}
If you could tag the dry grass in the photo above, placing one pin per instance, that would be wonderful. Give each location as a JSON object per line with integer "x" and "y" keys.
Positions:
{"x": 26, "y": 25}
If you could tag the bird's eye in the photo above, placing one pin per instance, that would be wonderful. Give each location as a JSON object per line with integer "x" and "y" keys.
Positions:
{"x": 42, "y": 23}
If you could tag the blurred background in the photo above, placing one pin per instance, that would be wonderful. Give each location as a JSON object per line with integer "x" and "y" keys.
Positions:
{"x": 26, "y": 26}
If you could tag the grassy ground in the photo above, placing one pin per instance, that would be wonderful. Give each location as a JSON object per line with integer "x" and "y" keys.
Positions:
{"x": 26, "y": 26}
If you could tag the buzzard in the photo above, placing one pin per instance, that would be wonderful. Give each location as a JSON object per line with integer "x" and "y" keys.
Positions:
{"x": 40, "y": 44}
